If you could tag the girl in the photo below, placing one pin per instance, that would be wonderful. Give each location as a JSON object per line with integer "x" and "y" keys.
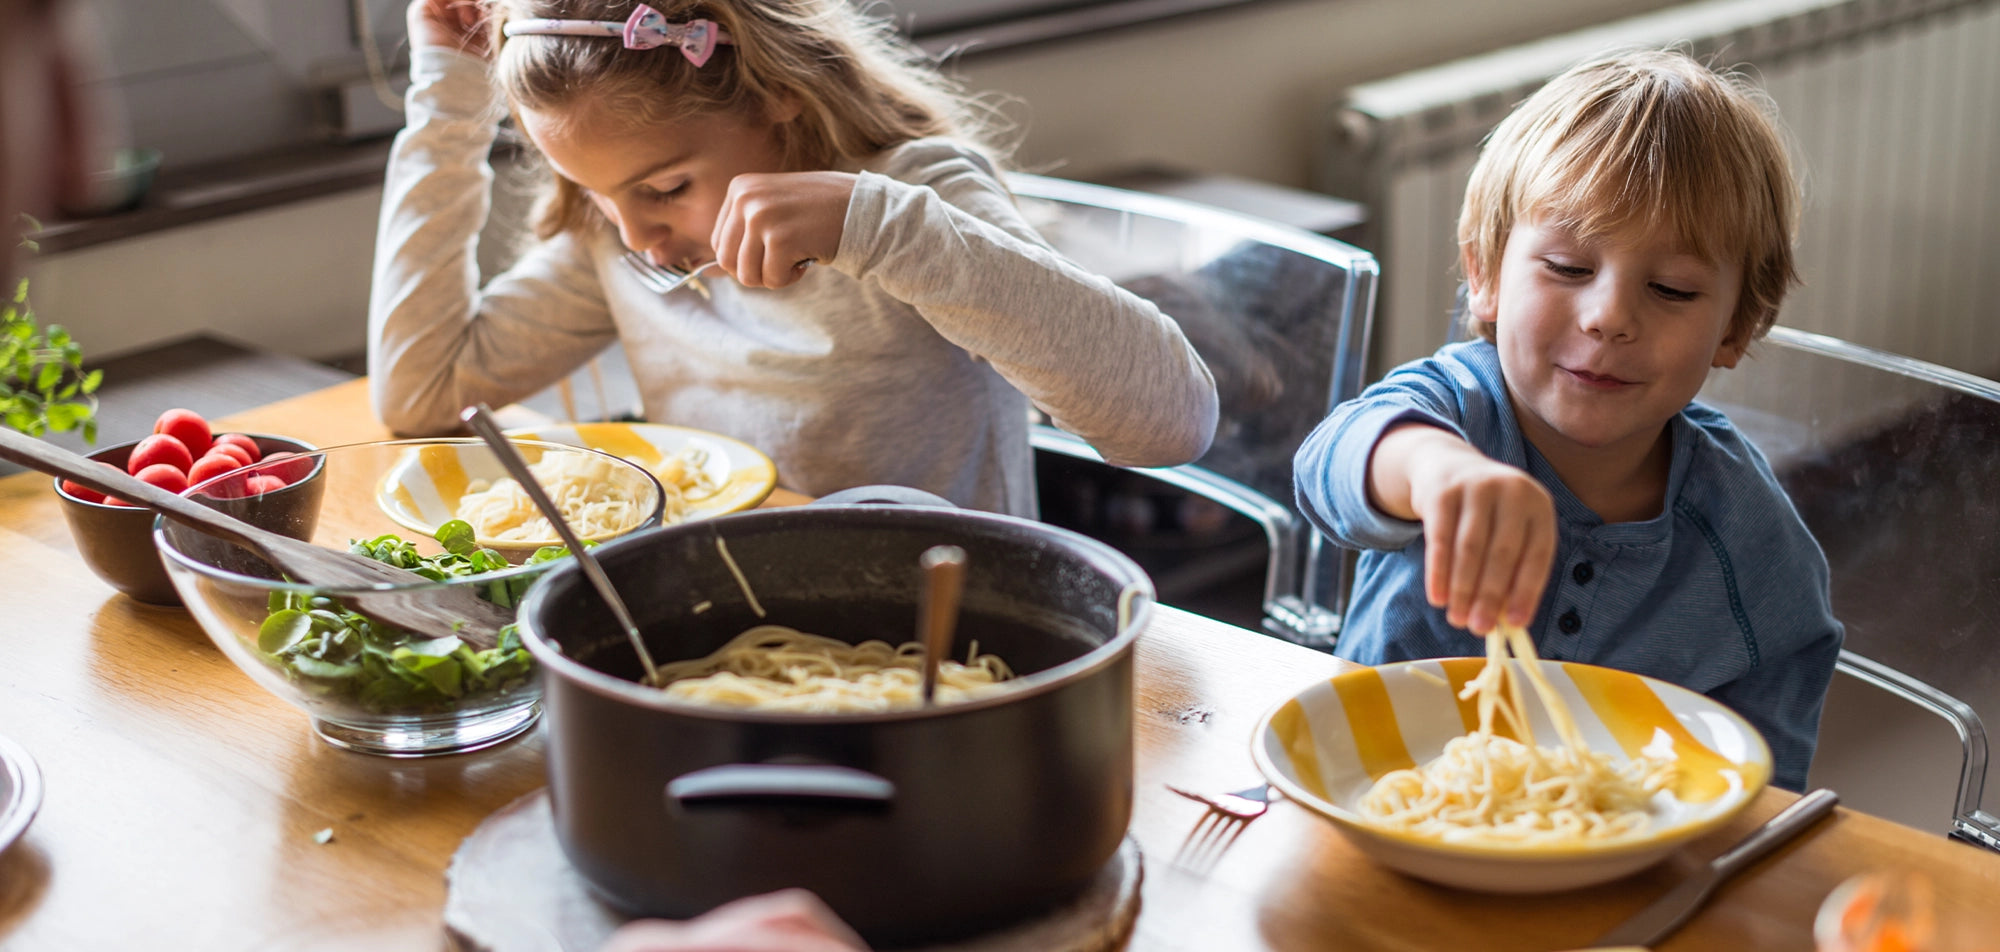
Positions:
{"x": 763, "y": 135}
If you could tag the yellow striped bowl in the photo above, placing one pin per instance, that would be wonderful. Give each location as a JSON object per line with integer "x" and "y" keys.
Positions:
{"x": 743, "y": 475}
{"x": 1325, "y": 746}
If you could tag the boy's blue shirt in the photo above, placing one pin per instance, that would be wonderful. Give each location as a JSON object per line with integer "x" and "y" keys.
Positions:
{"x": 1725, "y": 592}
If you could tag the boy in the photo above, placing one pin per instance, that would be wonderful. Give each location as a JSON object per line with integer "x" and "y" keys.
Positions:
{"x": 1627, "y": 228}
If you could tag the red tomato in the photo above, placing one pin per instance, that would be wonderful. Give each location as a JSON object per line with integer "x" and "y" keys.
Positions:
{"x": 188, "y": 427}
{"x": 84, "y": 493}
{"x": 237, "y": 439}
{"x": 290, "y": 472}
{"x": 232, "y": 451}
{"x": 211, "y": 466}
{"x": 261, "y": 483}
{"x": 115, "y": 501}
{"x": 160, "y": 448}
{"x": 164, "y": 476}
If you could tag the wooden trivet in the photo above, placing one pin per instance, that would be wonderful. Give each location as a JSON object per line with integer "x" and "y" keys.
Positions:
{"x": 510, "y": 889}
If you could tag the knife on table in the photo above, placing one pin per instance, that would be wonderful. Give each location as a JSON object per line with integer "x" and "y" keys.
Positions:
{"x": 1667, "y": 913}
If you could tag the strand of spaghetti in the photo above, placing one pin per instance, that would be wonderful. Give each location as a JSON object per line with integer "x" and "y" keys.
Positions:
{"x": 776, "y": 667}
{"x": 723, "y": 548}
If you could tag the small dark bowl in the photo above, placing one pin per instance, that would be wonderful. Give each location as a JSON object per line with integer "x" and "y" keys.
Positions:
{"x": 117, "y": 541}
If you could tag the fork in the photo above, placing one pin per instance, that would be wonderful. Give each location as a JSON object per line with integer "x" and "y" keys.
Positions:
{"x": 662, "y": 278}
{"x": 1224, "y": 820}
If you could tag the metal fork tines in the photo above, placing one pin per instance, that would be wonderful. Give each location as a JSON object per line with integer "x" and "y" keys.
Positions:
{"x": 1224, "y": 820}
{"x": 661, "y": 278}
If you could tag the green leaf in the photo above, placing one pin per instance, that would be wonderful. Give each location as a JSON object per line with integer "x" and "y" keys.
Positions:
{"x": 282, "y": 630}
{"x": 91, "y": 381}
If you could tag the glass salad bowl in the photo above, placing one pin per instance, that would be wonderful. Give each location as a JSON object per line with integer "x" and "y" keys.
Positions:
{"x": 367, "y": 686}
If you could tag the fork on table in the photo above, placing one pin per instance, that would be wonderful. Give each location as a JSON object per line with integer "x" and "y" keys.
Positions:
{"x": 1224, "y": 820}
{"x": 660, "y": 278}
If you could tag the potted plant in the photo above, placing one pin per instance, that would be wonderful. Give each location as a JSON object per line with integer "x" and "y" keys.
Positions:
{"x": 43, "y": 385}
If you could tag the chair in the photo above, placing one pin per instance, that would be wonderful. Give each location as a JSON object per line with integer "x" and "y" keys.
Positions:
{"x": 1894, "y": 464}
{"x": 1282, "y": 317}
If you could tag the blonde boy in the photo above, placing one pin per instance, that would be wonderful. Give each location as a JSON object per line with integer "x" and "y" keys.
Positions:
{"x": 1626, "y": 229}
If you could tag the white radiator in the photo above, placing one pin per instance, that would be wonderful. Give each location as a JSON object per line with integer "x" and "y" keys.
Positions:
{"x": 1894, "y": 108}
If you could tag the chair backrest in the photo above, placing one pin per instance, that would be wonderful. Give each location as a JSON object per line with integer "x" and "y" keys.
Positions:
{"x": 1895, "y": 465}
{"x": 1281, "y": 315}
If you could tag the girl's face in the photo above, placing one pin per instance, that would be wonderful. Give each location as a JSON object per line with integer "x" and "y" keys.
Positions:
{"x": 1603, "y": 341}
{"x": 662, "y": 184}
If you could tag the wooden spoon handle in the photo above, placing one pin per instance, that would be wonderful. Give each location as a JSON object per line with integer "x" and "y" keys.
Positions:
{"x": 105, "y": 478}
{"x": 944, "y": 579}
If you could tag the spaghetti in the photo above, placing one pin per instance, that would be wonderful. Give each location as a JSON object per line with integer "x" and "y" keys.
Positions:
{"x": 778, "y": 668}
{"x": 1490, "y": 788}
{"x": 590, "y": 490}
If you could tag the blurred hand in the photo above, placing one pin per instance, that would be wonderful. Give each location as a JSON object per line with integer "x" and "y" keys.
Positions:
{"x": 773, "y": 223}
{"x": 456, "y": 24}
{"x": 1489, "y": 528}
{"x": 789, "y": 920}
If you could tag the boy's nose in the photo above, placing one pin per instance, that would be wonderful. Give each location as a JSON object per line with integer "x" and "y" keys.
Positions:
{"x": 1610, "y": 313}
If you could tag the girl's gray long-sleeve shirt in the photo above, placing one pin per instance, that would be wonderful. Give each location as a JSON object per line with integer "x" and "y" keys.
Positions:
{"x": 909, "y": 358}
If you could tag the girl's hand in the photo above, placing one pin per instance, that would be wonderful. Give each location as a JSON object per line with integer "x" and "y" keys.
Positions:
{"x": 773, "y": 223}
{"x": 790, "y": 920}
{"x": 455, "y": 24}
{"x": 1489, "y": 528}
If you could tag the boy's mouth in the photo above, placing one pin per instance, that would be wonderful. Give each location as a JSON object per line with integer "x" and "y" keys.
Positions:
{"x": 1605, "y": 381}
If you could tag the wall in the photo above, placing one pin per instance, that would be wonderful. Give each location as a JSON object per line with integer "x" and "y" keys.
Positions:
{"x": 1235, "y": 92}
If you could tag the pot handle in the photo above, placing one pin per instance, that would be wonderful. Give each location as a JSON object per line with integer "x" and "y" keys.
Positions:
{"x": 780, "y": 781}
{"x": 883, "y": 495}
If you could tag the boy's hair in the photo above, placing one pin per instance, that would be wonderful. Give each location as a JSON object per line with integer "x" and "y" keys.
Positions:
{"x": 1646, "y": 138}
{"x": 859, "y": 86}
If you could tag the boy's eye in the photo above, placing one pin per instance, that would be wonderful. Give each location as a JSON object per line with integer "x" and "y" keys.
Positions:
{"x": 1674, "y": 294}
{"x": 1566, "y": 270}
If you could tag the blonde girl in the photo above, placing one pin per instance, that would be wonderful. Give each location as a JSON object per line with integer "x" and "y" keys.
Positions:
{"x": 883, "y": 312}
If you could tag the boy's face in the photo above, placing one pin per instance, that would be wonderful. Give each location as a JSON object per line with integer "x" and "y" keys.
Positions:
{"x": 661, "y": 184}
{"x": 1604, "y": 341}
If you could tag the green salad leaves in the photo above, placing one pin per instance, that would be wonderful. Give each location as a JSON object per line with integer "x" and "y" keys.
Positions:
{"x": 336, "y": 652}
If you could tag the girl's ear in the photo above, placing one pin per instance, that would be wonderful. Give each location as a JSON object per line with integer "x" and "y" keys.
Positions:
{"x": 1479, "y": 293}
{"x": 783, "y": 109}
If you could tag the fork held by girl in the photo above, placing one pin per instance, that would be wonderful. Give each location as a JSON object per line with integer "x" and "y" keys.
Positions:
{"x": 759, "y": 134}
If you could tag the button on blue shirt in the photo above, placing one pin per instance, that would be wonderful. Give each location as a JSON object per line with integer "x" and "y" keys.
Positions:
{"x": 1725, "y": 592}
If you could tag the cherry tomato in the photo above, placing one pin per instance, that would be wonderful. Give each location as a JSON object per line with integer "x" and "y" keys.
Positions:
{"x": 160, "y": 448}
{"x": 232, "y": 451}
{"x": 115, "y": 501}
{"x": 211, "y": 466}
{"x": 248, "y": 444}
{"x": 164, "y": 476}
{"x": 292, "y": 471}
{"x": 84, "y": 493}
{"x": 261, "y": 483}
{"x": 188, "y": 427}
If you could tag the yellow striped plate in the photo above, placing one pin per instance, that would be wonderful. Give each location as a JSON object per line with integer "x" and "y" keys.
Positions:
{"x": 1325, "y": 746}
{"x": 423, "y": 489}
{"x": 743, "y": 474}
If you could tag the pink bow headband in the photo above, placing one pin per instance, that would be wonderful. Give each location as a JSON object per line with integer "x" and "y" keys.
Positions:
{"x": 645, "y": 29}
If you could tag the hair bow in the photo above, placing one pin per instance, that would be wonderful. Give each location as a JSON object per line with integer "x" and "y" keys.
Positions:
{"x": 647, "y": 28}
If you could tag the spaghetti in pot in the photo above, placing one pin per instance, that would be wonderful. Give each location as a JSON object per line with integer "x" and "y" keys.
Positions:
{"x": 779, "y": 668}
{"x": 1486, "y": 787}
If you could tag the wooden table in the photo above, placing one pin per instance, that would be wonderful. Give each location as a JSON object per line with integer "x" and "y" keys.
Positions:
{"x": 182, "y": 800}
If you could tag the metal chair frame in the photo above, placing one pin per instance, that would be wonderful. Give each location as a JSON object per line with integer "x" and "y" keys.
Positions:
{"x": 1297, "y": 607}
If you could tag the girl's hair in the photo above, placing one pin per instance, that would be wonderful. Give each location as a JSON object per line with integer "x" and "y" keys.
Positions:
{"x": 860, "y": 88}
{"x": 1646, "y": 138}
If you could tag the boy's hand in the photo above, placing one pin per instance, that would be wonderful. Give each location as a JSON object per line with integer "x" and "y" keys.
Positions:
{"x": 773, "y": 223}
{"x": 456, "y": 24}
{"x": 1489, "y": 528}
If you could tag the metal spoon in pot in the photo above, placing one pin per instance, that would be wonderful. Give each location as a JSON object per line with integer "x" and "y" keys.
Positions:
{"x": 481, "y": 420}
{"x": 937, "y": 608}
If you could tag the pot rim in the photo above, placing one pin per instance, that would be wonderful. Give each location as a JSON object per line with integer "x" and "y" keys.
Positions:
{"x": 555, "y": 663}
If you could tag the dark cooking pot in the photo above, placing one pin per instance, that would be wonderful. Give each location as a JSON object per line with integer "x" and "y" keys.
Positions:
{"x": 917, "y": 825}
